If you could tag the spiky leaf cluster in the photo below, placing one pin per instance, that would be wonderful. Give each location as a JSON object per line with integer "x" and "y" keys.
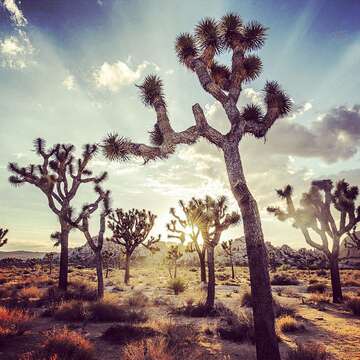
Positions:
{"x": 276, "y": 98}
{"x": 3, "y": 239}
{"x": 115, "y": 147}
{"x": 151, "y": 91}
{"x": 156, "y": 136}
{"x": 185, "y": 47}
{"x": 207, "y": 34}
{"x": 231, "y": 27}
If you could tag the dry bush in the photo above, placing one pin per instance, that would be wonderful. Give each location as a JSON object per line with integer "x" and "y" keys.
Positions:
{"x": 246, "y": 298}
{"x": 237, "y": 327}
{"x": 71, "y": 311}
{"x": 31, "y": 292}
{"x": 287, "y": 324}
{"x": 149, "y": 349}
{"x": 13, "y": 322}
{"x": 283, "y": 279}
{"x": 137, "y": 299}
{"x": 63, "y": 344}
{"x": 353, "y": 304}
{"x": 317, "y": 288}
{"x": 319, "y": 298}
{"x": 177, "y": 285}
{"x": 308, "y": 351}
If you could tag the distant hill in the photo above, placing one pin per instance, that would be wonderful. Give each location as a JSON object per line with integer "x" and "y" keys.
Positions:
{"x": 19, "y": 254}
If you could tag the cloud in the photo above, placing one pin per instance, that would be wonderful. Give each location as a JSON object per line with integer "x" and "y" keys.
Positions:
{"x": 69, "y": 82}
{"x": 16, "y": 14}
{"x": 117, "y": 75}
{"x": 16, "y": 51}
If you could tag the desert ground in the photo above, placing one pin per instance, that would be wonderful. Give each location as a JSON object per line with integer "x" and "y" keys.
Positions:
{"x": 148, "y": 310}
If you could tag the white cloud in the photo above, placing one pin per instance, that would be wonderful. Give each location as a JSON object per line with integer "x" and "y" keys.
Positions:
{"x": 16, "y": 14}
{"x": 69, "y": 82}
{"x": 117, "y": 75}
{"x": 16, "y": 51}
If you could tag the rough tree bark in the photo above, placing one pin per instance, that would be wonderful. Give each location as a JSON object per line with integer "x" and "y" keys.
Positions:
{"x": 210, "y": 299}
{"x": 99, "y": 274}
{"x": 202, "y": 262}
{"x": 335, "y": 279}
{"x": 64, "y": 258}
{"x": 127, "y": 269}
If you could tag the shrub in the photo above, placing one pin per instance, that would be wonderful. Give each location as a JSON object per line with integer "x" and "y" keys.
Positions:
{"x": 282, "y": 279}
{"x": 317, "y": 288}
{"x": 321, "y": 273}
{"x": 246, "y": 299}
{"x": 282, "y": 310}
{"x": 137, "y": 299}
{"x": 107, "y": 310}
{"x": 237, "y": 328}
{"x": 177, "y": 285}
{"x": 353, "y": 304}
{"x": 13, "y": 322}
{"x": 319, "y": 298}
{"x": 81, "y": 290}
{"x": 308, "y": 351}
{"x": 122, "y": 334}
{"x": 31, "y": 292}
{"x": 287, "y": 323}
{"x": 149, "y": 349}
{"x": 71, "y": 311}
{"x": 65, "y": 344}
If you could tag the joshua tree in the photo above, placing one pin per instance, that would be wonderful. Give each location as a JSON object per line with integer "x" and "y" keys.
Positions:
{"x": 59, "y": 177}
{"x": 212, "y": 219}
{"x": 108, "y": 259}
{"x": 172, "y": 257}
{"x": 224, "y": 84}
{"x": 95, "y": 242}
{"x": 3, "y": 233}
{"x": 188, "y": 229}
{"x": 315, "y": 214}
{"x": 228, "y": 250}
{"x": 49, "y": 259}
{"x": 353, "y": 239}
{"x": 130, "y": 230}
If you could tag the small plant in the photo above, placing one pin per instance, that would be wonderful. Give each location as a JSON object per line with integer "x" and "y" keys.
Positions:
{"x": 353, "y": 304}
{"x": 177, "y": 285}
{"x": 246, "y": 298}
{"x": 319, "y": 298}
{"x": 282, "y": 310}
{"x": 308, "y": 351}
{"x": 65, "y": 344}
{"x": 317, "y": 288}
{"x": 71, "y": 311}
{"x": 287, "y": 324}
{"x": 282, "y": 279}
{"x": 137, "y": 299}
{"x": 122, "y": 334}
{"x": 13, "y": 322}
{"x": 31, "y": 292}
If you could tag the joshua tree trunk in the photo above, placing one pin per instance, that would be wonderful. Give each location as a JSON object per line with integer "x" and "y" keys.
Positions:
{"x": 127, "y": 269}
{"x": 335, "y": 280}
{"x": 202, "y": 268}
{"x": 232, "y": 268}
{"x": 266, "y": 341}
{"x": 64, "y": 258}
{"x": 99, "y": 274}
{"x": 210, "y": 300}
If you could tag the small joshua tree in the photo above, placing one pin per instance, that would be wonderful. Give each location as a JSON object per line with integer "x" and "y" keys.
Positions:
{"x": 59, "y": 176}
{"x": 315, "y": 214}
{"x": 95, "y": 242}
{"x": 183, "y": 228}
{"x": 108, "y": 259}
{"x": 3, "y": 239}
{"x": 172, "y": 257}
{"x": 130, "y": 229}
{"x": 224, "y": 83}
{"x": 228, "y": 250}
{"x": 49, "y": 259}
{"x": 212, "y": 219}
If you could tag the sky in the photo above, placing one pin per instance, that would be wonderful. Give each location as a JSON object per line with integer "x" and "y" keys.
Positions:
{"x": 68, "y": 71}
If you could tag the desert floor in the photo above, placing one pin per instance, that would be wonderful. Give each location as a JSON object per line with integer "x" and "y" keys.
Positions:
{"x": 317, "y": 319}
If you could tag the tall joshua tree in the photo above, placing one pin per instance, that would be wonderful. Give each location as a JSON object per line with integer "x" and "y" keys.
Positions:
{"x": 130, "y": 229}
{"x": 95, "y": 242}
{"x": 224, "y": 84}
{"x": 185, "y": 227}
{"x": 59, "y": 176}
{"x": 228, "y": 250}
{"x": 212, "y": 220}
{"x": 315, "y": 215}
{"x": 3, "y": 239}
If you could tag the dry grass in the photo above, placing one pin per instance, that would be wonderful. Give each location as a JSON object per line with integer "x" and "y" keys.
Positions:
{"x": 308, "y": 351}
{"x": 284, "y": 279}
{"x": 31, "y": 292}
{"x": 319, "y": 298}
{"x": 13, "y": 322}
{"x": 137, "y": 299}
{"x": 246, "y": 298}
{"x": 177, "y": 285}
{"x": 317, "y": 288}
{"x": 71, "y": 311}
{"x": 287, "y": 324}
{"x": 353, "y": 304}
